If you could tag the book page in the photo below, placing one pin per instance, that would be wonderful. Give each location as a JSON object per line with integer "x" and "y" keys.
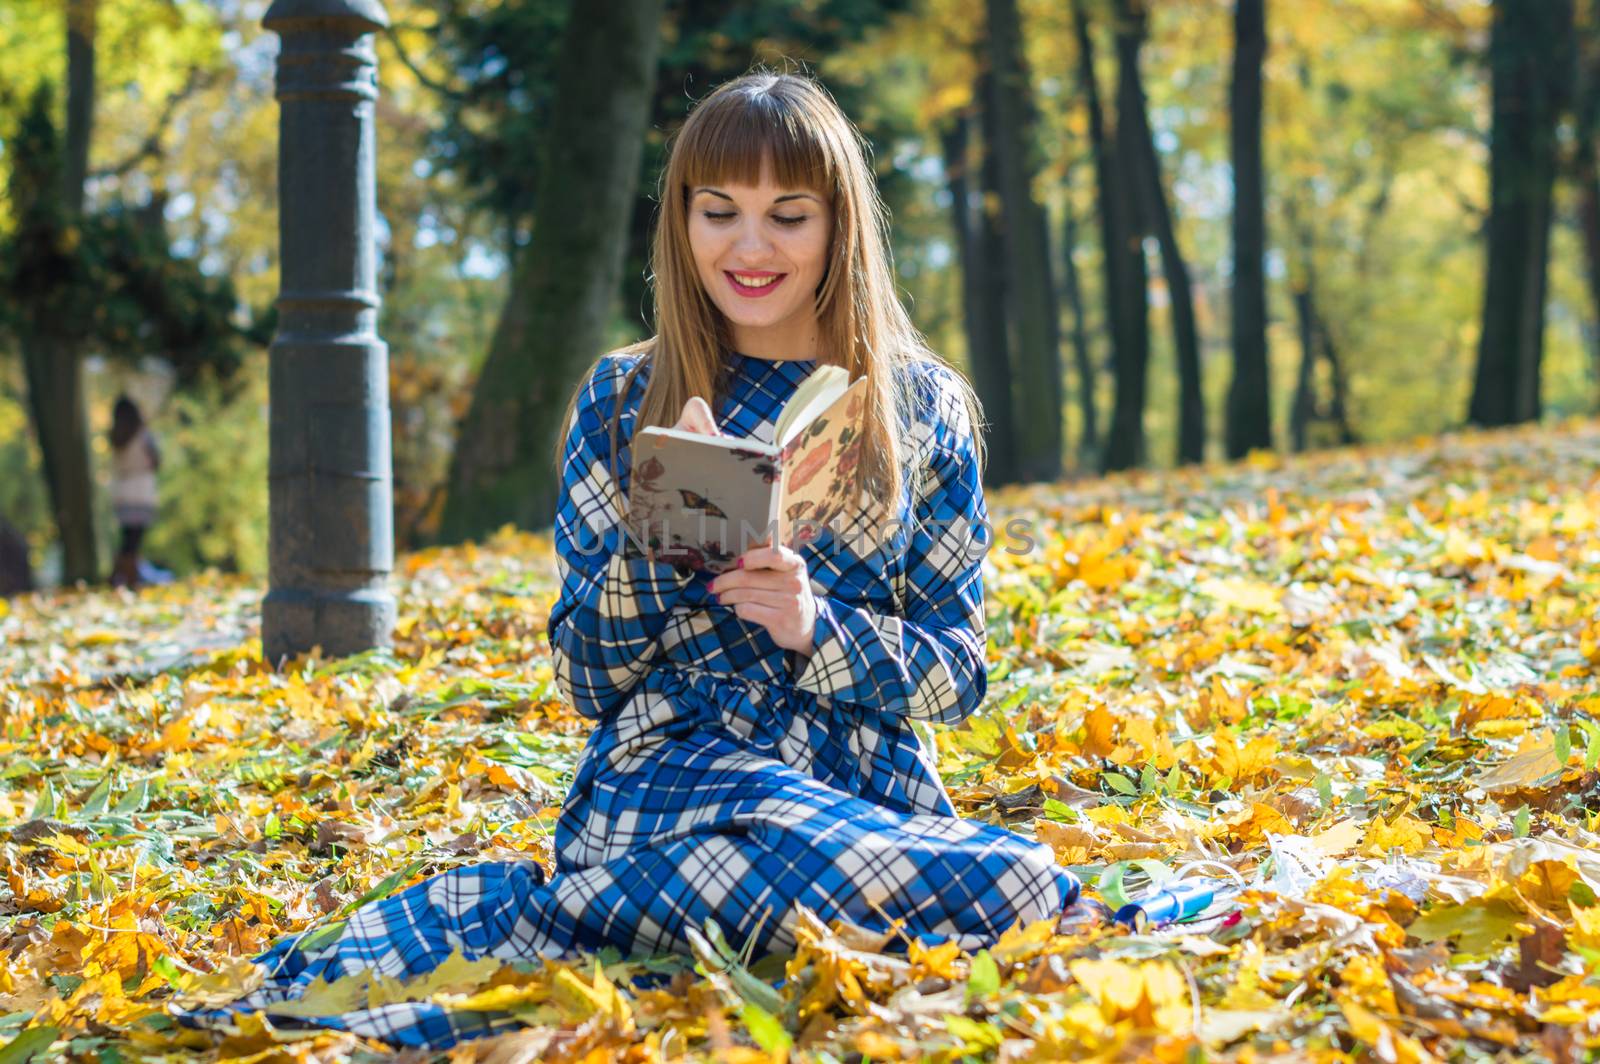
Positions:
{"x": 815, "y": 394}
{"x": 821, "y": 469}
{"x": 690, "y": 499}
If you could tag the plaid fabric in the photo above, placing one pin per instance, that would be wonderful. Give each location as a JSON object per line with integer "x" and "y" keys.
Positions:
{"x": 718, "y": 784}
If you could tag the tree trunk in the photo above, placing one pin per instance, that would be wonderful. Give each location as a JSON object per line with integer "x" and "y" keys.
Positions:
{"x": 1037, "y": 329}
{"x": 1303, "y": 410}
{"x": 1104, "y": 175}
{"x": 1089, "y": 436}
{"x": 1529, "y": 59}
{"x": 51, "y": 352}
{"x": 1126, "y": 447}
{"x": 988, "y": 354}
{"x": 1122, "y": 262}
{"x": 1249, "y": 393}
{"x": 1340, "y": 411}
{"x": 1586, "y": 169}
{"x": 1305, "y": 402}
{"x": 991, "y": 285}
{"x": 564, "y": 285}
{"x": 1589, "y": 223}
{"x": 1157, "y": 212}
{"x": 54, "y": 370}
{"x": 81, "y": 21}
{"x": 16, "y": 576}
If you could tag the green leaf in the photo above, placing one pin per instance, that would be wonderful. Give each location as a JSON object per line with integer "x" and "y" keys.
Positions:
{"x": 765, "y": 1029}
{"x": 1519, "y": 823}
{"x": 1477, "y": 926}
{"x": 1159, "y": 873}
{"x": 1110, "y": 885}
{"x": 1058, "y": 810}
{"x": 30, "y": 1042}
{"x": 1324, "y": 786}
{"x": 984, "y": 979}
{"x": 45, "y": 807}
{"x": 713, "y": 953}
{"x": 385, "y": 887}
{"x": 98, "y": 798}
{"x": 168, "y": 969}
{"x": 720, "y": 942}
{"x": 1149, "y": 780}
{"x": 322, "y": 936}
{"x": 1563, "y": 743}
{"x": 1591, "y": 749}
{"x": 1119, "y": 783}
{"x": 133, "y": 801}
{"x": 981, "y": 1035}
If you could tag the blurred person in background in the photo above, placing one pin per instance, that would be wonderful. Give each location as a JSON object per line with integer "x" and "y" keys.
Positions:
{"x": 135, "y": 459}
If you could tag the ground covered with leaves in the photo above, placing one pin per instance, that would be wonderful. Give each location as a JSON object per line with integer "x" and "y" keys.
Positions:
{"x": 1358, "y": 690}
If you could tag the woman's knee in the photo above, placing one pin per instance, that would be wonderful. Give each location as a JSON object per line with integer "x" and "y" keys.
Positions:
{"x": 1036, "y": 886}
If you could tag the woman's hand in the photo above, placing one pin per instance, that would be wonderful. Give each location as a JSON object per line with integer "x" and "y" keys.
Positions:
{"x": 772, "y": 588}
{"x": 697, "y": 417}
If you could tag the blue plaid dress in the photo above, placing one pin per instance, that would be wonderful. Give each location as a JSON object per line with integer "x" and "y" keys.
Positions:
{"x": 725, "y": 779}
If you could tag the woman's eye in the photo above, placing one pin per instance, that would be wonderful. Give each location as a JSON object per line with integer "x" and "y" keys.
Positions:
{"x": 718, "y": 216}
{"x": 786, "y": 220}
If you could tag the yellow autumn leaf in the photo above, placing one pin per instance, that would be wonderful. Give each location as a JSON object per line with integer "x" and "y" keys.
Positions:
{"x": 1339, "y": 839}
{"x": 1535, "y": 759}
{"x": 503, "y": 998}
{"x": 1243, "y": 765}
{"x": 1548, "y": 884}
{"x": 943, "y": 960}
{"x": 1404, "y": 833}
{"x": 1387, "y": 1043}
{"x": 1153, "y": 995}
{"x": 66, "y": 845}
{"x": 588, "y": 997}
{"x": 1099, "y": 732}
{"x": 1586, "y": 926}
{"x": 1251, "y": 596}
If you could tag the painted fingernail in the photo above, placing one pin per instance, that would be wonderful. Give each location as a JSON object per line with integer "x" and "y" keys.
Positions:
{"x": 740, "y": 563}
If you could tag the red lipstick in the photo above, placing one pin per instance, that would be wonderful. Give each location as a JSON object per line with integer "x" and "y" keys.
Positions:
{"x": 755, "y": 291}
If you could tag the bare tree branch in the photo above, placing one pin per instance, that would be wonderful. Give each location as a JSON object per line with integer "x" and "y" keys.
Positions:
{"x": 392, "y": 32}
{"x": 151, "y": 148}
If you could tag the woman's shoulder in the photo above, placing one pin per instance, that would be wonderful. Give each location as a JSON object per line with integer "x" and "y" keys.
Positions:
{"x": 940, "y": 396}
{"x": 611, "y": 378}
{"x": 611, "y": 372}
{"x": 608, "y": 399}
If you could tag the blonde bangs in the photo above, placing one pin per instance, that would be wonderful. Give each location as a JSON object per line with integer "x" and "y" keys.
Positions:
{"x": 739, "y": 132}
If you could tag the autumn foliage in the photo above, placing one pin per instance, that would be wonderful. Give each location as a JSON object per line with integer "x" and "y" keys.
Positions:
{"x": 1363, "y": 683}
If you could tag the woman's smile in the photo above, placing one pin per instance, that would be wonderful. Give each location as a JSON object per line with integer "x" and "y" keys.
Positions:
{"x": 754, "y": 284}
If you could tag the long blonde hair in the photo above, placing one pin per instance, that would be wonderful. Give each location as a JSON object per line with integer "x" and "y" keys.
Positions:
{"x": 795, "y": 123}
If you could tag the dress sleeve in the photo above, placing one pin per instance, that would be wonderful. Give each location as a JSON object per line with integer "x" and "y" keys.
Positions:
{"x": 928, "y": 665}
{"x": 614, "y": 601}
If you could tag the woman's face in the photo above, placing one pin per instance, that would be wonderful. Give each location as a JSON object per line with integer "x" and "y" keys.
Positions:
{"x": 760, "y": 251}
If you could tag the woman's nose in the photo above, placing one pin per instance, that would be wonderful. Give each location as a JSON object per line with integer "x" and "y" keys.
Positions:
{"x": 752, "y": 243}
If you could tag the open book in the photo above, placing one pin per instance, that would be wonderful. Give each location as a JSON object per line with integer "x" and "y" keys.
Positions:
{"x": 704, "y": 500}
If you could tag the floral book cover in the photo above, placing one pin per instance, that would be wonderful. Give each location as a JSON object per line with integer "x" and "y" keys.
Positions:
{"x": 703, "y": 502}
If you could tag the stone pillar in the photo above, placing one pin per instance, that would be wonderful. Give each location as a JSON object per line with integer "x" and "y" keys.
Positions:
{"x": 331, "y": 545}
